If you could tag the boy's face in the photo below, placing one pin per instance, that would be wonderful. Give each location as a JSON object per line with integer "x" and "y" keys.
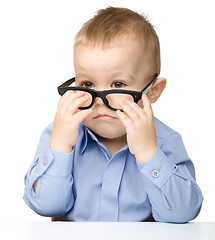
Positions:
{"x": 120, "y": 67}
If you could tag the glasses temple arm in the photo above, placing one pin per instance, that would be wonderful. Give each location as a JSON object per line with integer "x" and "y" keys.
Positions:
{"x": 67, "y": 83}
{"x": 148, "y": 87}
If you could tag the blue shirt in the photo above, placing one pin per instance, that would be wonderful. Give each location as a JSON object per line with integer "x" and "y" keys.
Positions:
{"x": 91, "y": 185}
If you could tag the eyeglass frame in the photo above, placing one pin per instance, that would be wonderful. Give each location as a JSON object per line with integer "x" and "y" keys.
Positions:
{"x": 63, "y": 88}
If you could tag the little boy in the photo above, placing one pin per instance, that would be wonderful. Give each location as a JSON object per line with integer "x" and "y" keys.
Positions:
{"x": 105, "y": 157}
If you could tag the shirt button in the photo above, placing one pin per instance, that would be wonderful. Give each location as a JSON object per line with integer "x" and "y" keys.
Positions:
{"x": 155, "y": 173}
{"x": 45, "y": 160}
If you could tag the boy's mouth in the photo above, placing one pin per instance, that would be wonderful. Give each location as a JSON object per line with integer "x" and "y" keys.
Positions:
{"x": 104, "y": 117}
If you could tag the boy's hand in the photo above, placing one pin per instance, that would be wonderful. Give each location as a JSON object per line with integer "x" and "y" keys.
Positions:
{"x": 141, "y": 133}
{"x": 67, "y": 120}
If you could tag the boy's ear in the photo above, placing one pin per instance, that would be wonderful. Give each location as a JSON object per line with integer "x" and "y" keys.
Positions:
{"x": 156, "y": 90}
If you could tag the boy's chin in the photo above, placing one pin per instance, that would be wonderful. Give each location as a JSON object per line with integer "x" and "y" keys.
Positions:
{"x": 109, "y": 133}
{"x": 109, "y": 136}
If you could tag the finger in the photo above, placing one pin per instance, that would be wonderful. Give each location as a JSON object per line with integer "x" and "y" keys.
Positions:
{"x": 135, "y": 110}
{"x": 69, "y": 95}
{"x": 73, "y": 105}
{"x": 66, "y": 95}
{"x": 81, "y": 115}
{"x": 130, "y": 109}
{"x": 126, "y": 121}
{"x": 147, "y": 107}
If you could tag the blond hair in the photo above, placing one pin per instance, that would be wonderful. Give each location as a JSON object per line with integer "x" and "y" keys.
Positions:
{"x": 121, "y": 23}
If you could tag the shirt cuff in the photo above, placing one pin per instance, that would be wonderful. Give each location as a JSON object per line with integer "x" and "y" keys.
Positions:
{"x": 159, "y": 169}
{"x": 55, "y": 163}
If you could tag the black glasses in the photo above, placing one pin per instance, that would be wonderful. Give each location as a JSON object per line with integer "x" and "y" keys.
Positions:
{"x": 111, "y": 98}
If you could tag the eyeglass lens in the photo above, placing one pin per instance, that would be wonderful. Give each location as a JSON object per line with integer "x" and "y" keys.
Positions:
{"x": 115, "y": 99}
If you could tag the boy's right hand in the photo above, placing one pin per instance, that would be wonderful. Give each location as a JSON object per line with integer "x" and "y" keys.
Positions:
{"x": 67, "y": 120}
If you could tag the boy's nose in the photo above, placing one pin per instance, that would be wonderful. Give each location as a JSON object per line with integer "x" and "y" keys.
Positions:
{"x": 98, "y": 101}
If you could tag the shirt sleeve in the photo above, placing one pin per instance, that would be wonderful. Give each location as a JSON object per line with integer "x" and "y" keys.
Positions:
{"x": 170, "y": 183}
{"x": 54, "y": 195}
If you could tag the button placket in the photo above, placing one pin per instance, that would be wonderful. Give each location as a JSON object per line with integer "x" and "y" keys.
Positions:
{"x": 110, "y": 188}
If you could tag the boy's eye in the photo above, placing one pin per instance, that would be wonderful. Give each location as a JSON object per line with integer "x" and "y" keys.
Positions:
{"x": 91, "y": 85}
{"x": 118, "y": 84}
{"x": 87, "y": 85}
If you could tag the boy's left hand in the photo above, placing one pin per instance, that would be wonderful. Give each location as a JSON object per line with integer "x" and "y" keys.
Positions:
{"x": 140, "y": 129}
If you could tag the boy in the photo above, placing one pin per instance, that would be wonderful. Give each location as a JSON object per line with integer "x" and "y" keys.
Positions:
{"x": 105, "y": 157}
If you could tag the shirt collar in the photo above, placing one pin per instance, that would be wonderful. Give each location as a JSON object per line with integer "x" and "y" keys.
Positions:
{"x": 87, "y": 133}
{"x": 85, "y": 140}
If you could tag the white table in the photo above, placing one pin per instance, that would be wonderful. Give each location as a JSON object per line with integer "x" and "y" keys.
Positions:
{"x": 104, "y": 231}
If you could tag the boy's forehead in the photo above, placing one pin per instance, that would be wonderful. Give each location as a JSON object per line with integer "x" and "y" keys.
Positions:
{"x": 115, "y": 49}
{"x": 125, "y": 58}
{"x": 126, "y": 40}
{"x": 99, "y": 52}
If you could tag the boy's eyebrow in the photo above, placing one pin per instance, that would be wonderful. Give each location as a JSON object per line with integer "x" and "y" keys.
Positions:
{"x": 115, "y": 76}
{"x": 124, "y": 76}
{"x": 81, "y": 75}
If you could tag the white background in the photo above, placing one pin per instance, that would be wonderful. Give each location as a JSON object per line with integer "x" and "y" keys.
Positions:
{"x": 36, "y": 47}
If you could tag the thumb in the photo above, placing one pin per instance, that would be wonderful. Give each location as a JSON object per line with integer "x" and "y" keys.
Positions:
{"x": 147, "y": 104}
